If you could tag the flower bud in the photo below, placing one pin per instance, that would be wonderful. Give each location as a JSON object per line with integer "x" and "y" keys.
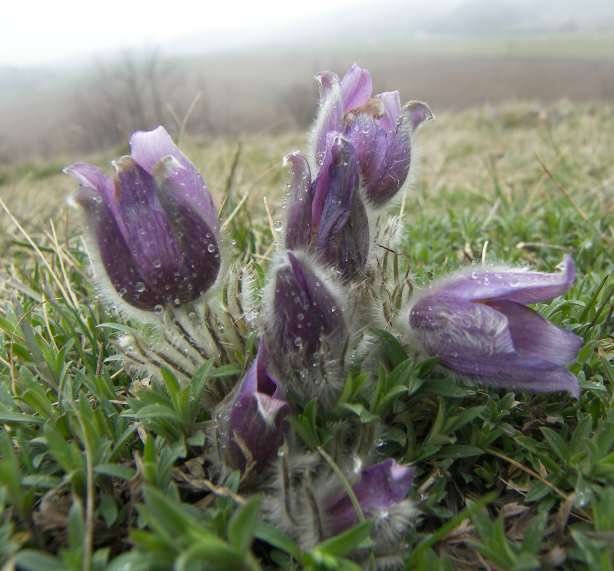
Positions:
{"x": 327, "y": 215}
{"x": 304, "y": 309}
{"x": 257, "y": 418}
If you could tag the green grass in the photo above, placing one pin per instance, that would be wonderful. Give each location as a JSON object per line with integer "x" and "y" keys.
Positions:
{"x": 99, "y": 471}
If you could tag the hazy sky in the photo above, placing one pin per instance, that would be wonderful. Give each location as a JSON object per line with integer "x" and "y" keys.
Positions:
{"x": 44, "y": 31}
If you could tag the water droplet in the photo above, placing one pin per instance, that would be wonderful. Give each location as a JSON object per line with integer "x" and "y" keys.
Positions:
{"x": 140, "y": 286}
{"x": 211, "y": 248}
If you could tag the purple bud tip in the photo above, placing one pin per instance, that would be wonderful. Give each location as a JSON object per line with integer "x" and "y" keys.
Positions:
{"x": 256, "y": 424}
{"x": 419, "y": 113}
{"x": 379, "y": 487}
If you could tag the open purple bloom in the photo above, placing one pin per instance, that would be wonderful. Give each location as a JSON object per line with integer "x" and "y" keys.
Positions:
{"x": 378, "y": 127}
{"x": 478, "y": 325}
{"x": 327, "y": 215}
{"x": 257, "y": 419}
{"x": 154, "y": 224}
{"x": 378, "y": 488}
{"x": 304, "y": 310}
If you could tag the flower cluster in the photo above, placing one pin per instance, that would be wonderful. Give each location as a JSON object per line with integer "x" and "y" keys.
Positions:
{"x": 158, "y": 254}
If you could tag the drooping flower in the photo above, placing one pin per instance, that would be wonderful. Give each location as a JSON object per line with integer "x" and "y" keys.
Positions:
{"x": 154, "y": 226}
{"x": 257, "y": 417}
{"x": 479, "y": 326}
{"x": 379, "y": 487}
{"x": 378, "y": 127}
{"x": 327, "y": 215}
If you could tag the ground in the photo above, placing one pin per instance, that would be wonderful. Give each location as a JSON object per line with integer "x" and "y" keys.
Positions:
{"x": 505, "y": 481}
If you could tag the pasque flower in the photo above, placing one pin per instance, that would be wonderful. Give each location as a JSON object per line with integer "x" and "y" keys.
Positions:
{"x": 378, "y": 488}
{"x": 257, "y": 419}
{"x": 478, "y": 324}
{"x": 378, "y": 127}
{"x": 326, "y": 215}
{"x": 153, "y": 226}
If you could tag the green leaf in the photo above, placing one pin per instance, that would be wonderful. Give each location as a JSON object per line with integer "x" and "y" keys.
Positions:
{"x": 345, "y": 542}
{"x": 242, "y": 524}
{"x": 361, "y": 412}
{"x": 276, "y": 538}
{"x": 459, "y": 451}
{"x": 557, "y": 443}
{"x": 31, "y": 560}
{"x": 115, "y": 471}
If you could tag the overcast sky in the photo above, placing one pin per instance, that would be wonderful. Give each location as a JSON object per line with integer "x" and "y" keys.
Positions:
{"x": 41, "y": 31}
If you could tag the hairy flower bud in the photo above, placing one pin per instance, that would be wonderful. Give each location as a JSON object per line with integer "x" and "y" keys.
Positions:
{"x": 153, "y": 227}
{"x": 478, "y": 325}
{"x": 379, "y": 487}
{"x": 257, "y": 418}
{"x": 327, "y": 215}
{"x": 305, "y": 329}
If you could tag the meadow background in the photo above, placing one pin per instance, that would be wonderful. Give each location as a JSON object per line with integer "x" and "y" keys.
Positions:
{"x": 518, "y": 167}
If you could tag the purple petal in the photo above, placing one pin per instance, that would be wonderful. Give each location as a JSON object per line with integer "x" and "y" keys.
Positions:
{"x": 356, "y": 88}
{"x": 304, "y": 310}
{"x": 257, "y": 422}
{"x": 115, "y": 255}
{"x": 535, "y": 336}
{"x": 322, "y": 181}
{"x": 258, "y": 380}
{"x": 148, "y": 148}
{"x": 190, "y": 214}
{"x": 343, "y": 232}
{"x": 257, "y": 416}
{"x": 515, "y": 371}
{"x": 341, "y": 186}
{"x": 326, "y": 81}
{"x": 385, "y": 156}
{"x": 419, "y": 113}
{"x": 392, "y": 109}
{"x": 298, "y": 226}
{"x": 330, "y": 115}
{"x": 448, "y": 327}
{"x": 380, "y": 486}
{"x": 501, "y": 343}
{"x": 90, "y": 176}
{"x": 510, "y": 285}
{"x": 149, "y": 232}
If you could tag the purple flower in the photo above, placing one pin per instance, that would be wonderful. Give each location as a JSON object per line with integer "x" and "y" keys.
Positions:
{"x": 304, "y": 310}
{"x": 378, "y": 488}
{"x": 154, "y": 226}
{"x": 377, "y": 126}
{"x": 257, "y": 418}
{"x": 327, "y": 215}
{"x": 478, "y": 324}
